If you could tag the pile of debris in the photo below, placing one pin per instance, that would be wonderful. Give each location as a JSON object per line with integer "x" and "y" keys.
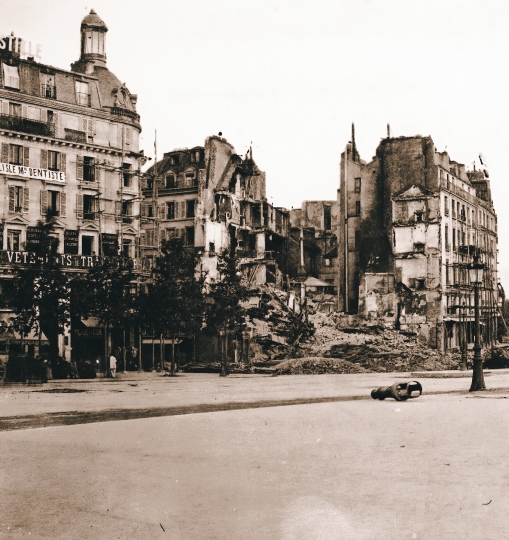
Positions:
{"x": 303, "y": 343}
{"x": 316, "y": 365}
{"x": 277, "y": 329}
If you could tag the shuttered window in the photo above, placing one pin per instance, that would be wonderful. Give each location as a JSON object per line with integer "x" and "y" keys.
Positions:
{"x": 87, "y": 126}
{"x": 85, "y": 169}
{"x": 90, "y": 207}
{"x": 54, "y": 161}
{"x": 19, "y": 197}
{"x": 53, "y": 203}
{"x": 150, "y": 237}
{"x": 15, "y": 154}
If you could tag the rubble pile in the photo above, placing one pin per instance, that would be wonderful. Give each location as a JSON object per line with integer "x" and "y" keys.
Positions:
{"x": 277, "y": 330}
{"x": 316, "y": 365}
{"x": 302, "y": 343}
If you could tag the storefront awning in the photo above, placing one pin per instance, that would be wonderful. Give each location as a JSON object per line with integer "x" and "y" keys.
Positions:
{"x": 92, "y": 322}
{"x": 11, "y": 336}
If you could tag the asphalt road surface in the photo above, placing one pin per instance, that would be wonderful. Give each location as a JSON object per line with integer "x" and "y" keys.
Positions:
{"x": 434, "y": 467}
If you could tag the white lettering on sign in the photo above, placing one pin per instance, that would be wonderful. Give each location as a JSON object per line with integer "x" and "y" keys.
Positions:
{"x": 31, "y": 172}
{"x": 19, "y": 45}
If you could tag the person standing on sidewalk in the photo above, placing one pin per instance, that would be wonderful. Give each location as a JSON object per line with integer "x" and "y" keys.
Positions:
{"x": 113, "y": 366}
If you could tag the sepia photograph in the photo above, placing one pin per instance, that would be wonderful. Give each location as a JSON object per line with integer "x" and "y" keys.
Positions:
{"x": 253, "y": 270}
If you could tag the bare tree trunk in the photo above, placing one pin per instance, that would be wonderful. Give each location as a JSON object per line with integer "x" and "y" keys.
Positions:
{"x": 140, "y": 344}
{"x": 173, "y": 355}
{"x": 153, "y": 352}
{"x": 161, "y": 339}
{"x": 123, "y": 350}
{"x": 223, "y": 352}
{"x": 106, "y": 356}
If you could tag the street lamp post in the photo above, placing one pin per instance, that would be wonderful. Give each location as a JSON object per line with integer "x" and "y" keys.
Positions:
{"x": 476, "y": 278}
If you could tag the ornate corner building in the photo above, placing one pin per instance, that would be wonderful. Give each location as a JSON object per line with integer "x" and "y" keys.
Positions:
{"x": 69, "y": 149}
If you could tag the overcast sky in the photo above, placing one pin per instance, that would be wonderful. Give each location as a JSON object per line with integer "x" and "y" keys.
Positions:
{"x": 290, "y": 76}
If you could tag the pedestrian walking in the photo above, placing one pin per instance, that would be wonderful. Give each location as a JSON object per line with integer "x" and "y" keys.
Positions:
{"x": 113, "y": 366}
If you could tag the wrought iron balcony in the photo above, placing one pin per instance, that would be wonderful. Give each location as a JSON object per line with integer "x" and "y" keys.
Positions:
{"x": 48, "y": 91}
{"x": 120, "y": 111}
{"x": 75, "y": 136}
{"x": 26, "y": 125}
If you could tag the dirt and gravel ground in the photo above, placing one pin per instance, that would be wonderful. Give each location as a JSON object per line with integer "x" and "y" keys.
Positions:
{"x": 430, "y": 468}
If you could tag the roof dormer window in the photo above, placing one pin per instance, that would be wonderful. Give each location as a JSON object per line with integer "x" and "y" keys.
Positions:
{"x": 82, "y": 94}
{"x": 11, "y": 76}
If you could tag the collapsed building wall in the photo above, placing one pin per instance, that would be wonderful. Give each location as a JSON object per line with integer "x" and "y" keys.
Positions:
{"x": 426, "y": 218}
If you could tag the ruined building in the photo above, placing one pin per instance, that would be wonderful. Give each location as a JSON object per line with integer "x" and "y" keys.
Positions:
{"x": 69, "y": 150}
{"x": 216, "y": 199}
{"x": 313, "y": 242}
{"x": 410, "y": 222}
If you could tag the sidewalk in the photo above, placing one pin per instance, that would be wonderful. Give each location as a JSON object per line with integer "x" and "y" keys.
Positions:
{"x": 153, "y": 394}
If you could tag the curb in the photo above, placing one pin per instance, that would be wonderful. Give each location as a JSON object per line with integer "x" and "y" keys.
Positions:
{"x": 66, "y": 418}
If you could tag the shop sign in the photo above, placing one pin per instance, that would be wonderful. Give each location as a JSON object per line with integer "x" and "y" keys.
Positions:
{"x": 88, "y": 332}
{"x": 71, "y": 242}
{"x": 31, "y": 172}
{"x": 19, "y": 45}
{"x": 67, "y": 260}
{"x": 34, "y": 235}
{"x": 109, "y": 244}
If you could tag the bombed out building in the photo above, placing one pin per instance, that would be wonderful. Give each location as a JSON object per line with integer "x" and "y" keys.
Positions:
{"x": 313, "y": 244}
{"x": 411, "y": 221}
{"x": 216, "y": 199}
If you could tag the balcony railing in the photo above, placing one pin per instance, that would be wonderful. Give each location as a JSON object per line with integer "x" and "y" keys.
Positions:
{"x": 34, "y": 127}
{"x": 75, "y": 136}
{"x": 253, "y": 254}
{"x": 83, "y": 99}
{"x": 48, "y": 91}
{"x": 119, "y": 111}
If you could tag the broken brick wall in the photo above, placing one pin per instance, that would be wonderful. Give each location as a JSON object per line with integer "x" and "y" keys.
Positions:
{"x": 406, "y": 161}
{"x": 377, "y": 297}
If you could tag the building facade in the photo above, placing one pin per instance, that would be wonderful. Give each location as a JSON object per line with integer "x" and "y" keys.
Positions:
{"x": 69, "y": 150}
{"x": 411, "y": 222}
{"x": 216, "y": 200}
{"x": 313, "y": 242}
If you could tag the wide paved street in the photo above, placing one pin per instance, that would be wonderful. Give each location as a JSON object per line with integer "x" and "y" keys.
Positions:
{"x": 433, "y": 467}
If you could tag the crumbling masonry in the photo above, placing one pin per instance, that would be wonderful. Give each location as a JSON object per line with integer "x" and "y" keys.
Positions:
{"x": 410, "y": 222}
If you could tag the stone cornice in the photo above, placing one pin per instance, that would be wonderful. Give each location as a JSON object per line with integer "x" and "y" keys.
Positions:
{"x": 62, "y": 106}
{"x": 87, "y": 147}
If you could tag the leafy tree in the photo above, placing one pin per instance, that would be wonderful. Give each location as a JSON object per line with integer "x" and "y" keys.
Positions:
{"x": 224, "y": 309}
{"x": 106, "y": 292}
{"x": 41, "y": 296}
{"x": 175, "y": 295}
